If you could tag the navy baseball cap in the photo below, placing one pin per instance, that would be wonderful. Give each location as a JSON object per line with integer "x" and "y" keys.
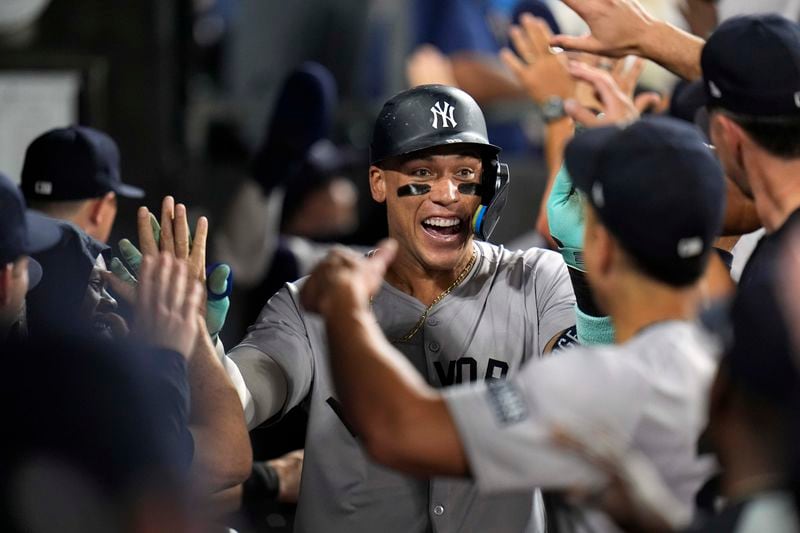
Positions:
{"x": 22, "y": 231}
{"x": 657, "y": 187}
{"x": 751, "y": 66}
{"x": 73, "y": 163}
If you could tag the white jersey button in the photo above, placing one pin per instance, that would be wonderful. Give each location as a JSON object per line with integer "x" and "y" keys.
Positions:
{"x": 438, "y": 510}
{"x": 434, "y": 346}
{"x": 433, "y": 321}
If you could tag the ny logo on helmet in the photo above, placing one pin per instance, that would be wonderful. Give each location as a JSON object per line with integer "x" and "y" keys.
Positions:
{"x": 446, "y": 113}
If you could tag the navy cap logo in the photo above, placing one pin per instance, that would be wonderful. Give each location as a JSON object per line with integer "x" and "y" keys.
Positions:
{"x": 797, "y": 99}
{"x": 714, "y": 90}
{"x": 597, "y": 195}
{"x": 690, "y": 247}
{"x": 43, "y": 187}
{"x": 445, "y": 113}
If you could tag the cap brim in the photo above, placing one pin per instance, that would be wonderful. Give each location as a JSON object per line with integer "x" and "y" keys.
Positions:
{"x": 34, "y": 273}
{"x": 43, "y": 232}
{"x": 580, "y": 156}
{"x": 129, "y": 191}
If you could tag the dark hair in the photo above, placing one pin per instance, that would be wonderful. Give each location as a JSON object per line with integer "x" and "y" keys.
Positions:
{"x": 779, "y": 135}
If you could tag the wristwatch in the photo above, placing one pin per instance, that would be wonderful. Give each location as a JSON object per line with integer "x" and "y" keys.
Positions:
{"x": 553, "y": 109}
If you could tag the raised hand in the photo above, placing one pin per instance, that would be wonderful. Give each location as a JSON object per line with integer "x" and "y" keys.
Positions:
{"x": 617, "y": 106}
{"x": 542, "y": 72}
{"x": 346, "y": 278}
{"x": 623, "y": 27}
{"x": 617, "y": 27}
{"x": 167, "y": 304}
{"x": 173, "y": 236}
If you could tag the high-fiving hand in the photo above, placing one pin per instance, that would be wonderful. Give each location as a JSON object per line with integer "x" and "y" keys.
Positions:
{"x": 616, "y": 102}
{"x": 617, "y": 27}
{"x": 167, "y": 304}
{"x": 346, "y": 279}
{"x": 173, "y": 237}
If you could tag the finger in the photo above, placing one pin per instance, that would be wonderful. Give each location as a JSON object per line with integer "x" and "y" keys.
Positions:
{"x": 584, "y": 43}
{"x": 162, "y": 278}
{"x": 522, "y": 45}
{"x": 125, "y": 290}
{"x": 155, "y": 228}
{"x": 619, "y": 69}
{"x": 219, "y": 280}
{"x": 580, "y": 114}
{"x": 513, "y": 63}
{"x": 191, "y": 304}
{"x": 144, "y": 296}
{"x": 647, "y": 101}
{"x": 167, "y": 216}
{"x": 635, "y": 67}
{"x": 601, "y": 80}
{"x": 627, "y": 73}
{"x": 131, "y": 255}
{"x": 121, "y": 272}
{"x": 384, "y": 256}
{"x": 592, "y": 60}
{"x": 181, "y": 232}
{"x": 176, "y": 291}
{"x": 147, "y": 242}
{"x": 197, "y": 258}
{"x": 538, "y": 40}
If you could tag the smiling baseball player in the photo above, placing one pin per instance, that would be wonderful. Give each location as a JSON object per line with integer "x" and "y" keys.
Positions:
{"x": 458, "y": 310}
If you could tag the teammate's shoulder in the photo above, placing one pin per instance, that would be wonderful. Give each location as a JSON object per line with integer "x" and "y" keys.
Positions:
{"x": 525, "y": 264}
{"x": 499, "y": 254}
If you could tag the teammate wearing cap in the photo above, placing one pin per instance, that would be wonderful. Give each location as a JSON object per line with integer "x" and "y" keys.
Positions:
{"x": 457, "y": 309}
{"x": 22, "y": 233}
{"x": 645, "y": 254}
{"x": 73, "y": 174}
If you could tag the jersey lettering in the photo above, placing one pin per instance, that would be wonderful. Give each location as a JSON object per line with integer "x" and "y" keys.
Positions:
{"x": 466, "y": 369}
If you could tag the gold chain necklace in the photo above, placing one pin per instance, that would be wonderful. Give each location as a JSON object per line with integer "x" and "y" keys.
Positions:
{"x": 410, "y": 335}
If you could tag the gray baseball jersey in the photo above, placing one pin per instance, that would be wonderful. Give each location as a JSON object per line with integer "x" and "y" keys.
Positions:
{"x": 649, "y": 394}
{"x": 504, "y": 313}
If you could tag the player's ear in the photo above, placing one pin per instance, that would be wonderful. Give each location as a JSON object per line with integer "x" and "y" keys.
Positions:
{"x": 6, "y": 275}
{"x": 103, "y": 207}
{"x": 377, "y": 184}
{"x": 606, "y": 248}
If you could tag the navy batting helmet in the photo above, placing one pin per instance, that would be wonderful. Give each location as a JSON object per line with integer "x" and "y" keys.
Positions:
{"x": 436, "y": 115}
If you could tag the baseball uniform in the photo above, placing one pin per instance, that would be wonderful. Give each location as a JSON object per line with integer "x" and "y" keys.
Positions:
{"x": 504, "y": 313}
{"x": 649, "y": 394}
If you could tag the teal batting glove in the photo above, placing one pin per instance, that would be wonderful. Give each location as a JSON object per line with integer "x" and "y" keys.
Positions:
{"x": 566, "y": 219}
{"x": 219, "y": 282}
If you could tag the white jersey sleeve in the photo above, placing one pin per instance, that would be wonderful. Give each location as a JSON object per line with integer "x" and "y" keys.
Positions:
{"x": 506, "y": 427}
{"x": 276, "y": 354}
{"x": 554, "y": 296}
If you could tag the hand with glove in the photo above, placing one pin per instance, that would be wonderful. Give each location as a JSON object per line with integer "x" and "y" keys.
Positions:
{"x": 566, "y": 218}
{"x": 172, "y": 237}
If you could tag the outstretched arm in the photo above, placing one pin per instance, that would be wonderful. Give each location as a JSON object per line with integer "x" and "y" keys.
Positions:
{"x": 401, "y": 420}
{"x": 223, "y": 456}
{"x": 623, "y": 27}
